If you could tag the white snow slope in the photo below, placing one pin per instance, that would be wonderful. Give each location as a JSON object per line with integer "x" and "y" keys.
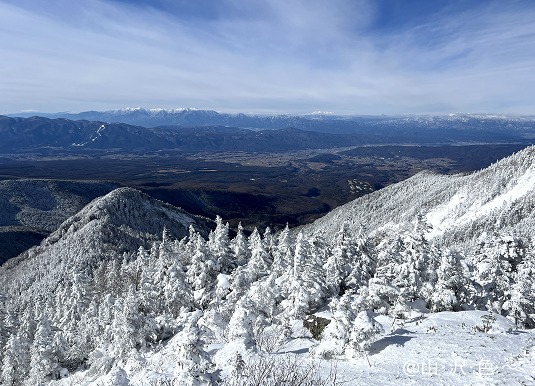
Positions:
{"x": 500, "y": 197}
{"x": 446, "y": 348}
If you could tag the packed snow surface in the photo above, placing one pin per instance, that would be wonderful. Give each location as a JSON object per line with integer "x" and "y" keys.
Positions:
{"x": 446, "y": 348}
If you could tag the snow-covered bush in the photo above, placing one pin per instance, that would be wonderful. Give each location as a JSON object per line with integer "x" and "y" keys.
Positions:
{"x": 288, "y": 370}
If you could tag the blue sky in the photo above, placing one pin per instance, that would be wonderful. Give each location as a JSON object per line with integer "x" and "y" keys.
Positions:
{"x": 281, "y": 56}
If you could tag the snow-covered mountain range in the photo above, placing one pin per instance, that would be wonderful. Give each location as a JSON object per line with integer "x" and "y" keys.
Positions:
{"x": 199, "y": 117}
{"x": 52, "y": 135}
{"x": 423, "y": 129}
{"x": 187, "y": 117}
{"x": 434, "y": 270}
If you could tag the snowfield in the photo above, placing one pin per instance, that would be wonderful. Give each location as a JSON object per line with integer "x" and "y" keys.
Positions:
{"x": 448, "y": 348}
{"x": 452, "y": 215}
{"x": 445, "y": 348}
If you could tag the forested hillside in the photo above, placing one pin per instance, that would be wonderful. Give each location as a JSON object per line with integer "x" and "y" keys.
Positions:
{"x": 104, "y": 132}
{"x": 103, "y": 301}
{"x": 31, "y": 209}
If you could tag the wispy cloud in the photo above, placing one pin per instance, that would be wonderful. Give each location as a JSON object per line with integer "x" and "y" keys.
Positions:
{"x": 278, "y": 55}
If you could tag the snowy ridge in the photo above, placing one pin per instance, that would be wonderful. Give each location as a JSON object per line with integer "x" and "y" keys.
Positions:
{"x": 37, "y": 207}
{"x": 117, "y": 223}
{"x": 129, "y": 211}
{"x": 490, "y": 198}
{"x": 450, "y": 216}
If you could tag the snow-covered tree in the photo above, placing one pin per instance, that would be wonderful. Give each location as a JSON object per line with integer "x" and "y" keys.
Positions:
{"x": 4, "y": 323}
{"x": 265, "y": 295}
{"x": 219, "y": 246}
{"x": 306, "y": 279}
{"x": 520, "y": 306}
{"x": 43, "y": 359}
{"x": 260, "y": 262}
{"x": 114, "y": 280}
{"x": 116, "y": 377}
{"x": 283, "y": 252}
{"x": 364, "y": 331}
{"x": 338, "y": 265}
{"x": 382, "y": 296}
{"x": 240, "y": 247}
{"x": 451, "y": 288}
{"x": 409, "y": 262}
{"x": 129, "y": 329}
{"x": 350, "y": 263}
{"x": 16, "y": 361}
{"x": 336, "y": 334}
{"x": 177, "y": 295}
{"x": 495, "y": 259}
{"x": 240, "y": 327}
{"x": 194, "y": 366}
{"x": 257, "y": 267}
{"x": 148, "y": 291}
{"x": 202, "y": 271}
{"x": 269, "y": 240}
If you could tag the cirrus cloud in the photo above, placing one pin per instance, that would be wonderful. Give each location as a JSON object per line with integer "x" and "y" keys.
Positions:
{"x": 291, "y": 56}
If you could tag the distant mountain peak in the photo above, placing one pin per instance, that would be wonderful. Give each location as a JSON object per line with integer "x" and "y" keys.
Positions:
{"x": 322, "y": 113}
{"x": 155, "y": 110}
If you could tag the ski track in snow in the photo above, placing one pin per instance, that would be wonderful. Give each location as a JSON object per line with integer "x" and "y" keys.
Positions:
{"x": 102, "y": 127}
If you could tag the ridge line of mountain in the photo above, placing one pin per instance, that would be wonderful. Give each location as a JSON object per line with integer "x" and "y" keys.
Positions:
{"x": 40, "y": 133}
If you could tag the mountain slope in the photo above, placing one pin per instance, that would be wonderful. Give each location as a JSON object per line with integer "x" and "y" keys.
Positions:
{"x": 23, "y": 134}
{"x": 44, "y": 134}
{"x": 45, "y": 204}
{"x": 458, "y": 207}
{"x": 109, "y": 226}
{"x": 31, "y": 209}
